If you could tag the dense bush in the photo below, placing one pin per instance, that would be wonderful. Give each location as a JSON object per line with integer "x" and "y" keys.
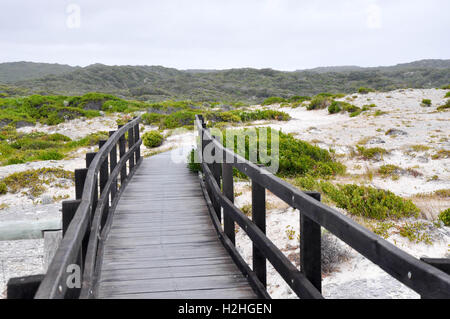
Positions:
{"x": 444, "y": 217}
{"x": 362, "y": 200}
{"x": 296, "y": 157}
{"x": 152, "y": 118}
{"x": 319, "y": 102}
{"x": 273, "y": 100}
{"x": 426, "y": 102}
{"x": 152, "y": 139}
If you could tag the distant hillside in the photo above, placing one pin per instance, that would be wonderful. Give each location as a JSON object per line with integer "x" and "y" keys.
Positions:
{"x": 17, "y": 71}
{"x": 157, "y": 83}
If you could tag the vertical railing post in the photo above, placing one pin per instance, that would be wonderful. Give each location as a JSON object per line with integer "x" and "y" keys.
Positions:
{"x": 123, "y": 170}
{"x": 136, "y": 139}
{"x": 130, "y": 145}
{"x": 80, "y": 178}
{"x": 112, "y": 166}
{"x": 216, "y": 170}
{"x": 228, "y": 191}
{"x": 104, "y": 176}
{"x": 259, "y": 218}
{"x": 310, "y": 250}
{"x": 89, "y": 159}
{"x": 69, "y": 208}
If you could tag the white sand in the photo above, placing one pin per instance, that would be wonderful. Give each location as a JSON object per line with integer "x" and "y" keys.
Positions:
{"x": 356, "y": 277}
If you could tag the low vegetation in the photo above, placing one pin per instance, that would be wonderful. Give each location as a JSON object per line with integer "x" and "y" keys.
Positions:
{"x": 371, "y": 153}
{"x": 426, "y": 102}
{"x": 34, "y": 181}
{"x": 296, "y": 157}
{"x": 362, "y": 201}
{"x": 152, "y": 139}
{"x": 17, "y": 148}
{"x": 444, "y": 217}
{"x": 444, "y": 107}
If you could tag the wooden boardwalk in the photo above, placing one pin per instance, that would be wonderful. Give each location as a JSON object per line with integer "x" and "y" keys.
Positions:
{"x": 162, "y": 243}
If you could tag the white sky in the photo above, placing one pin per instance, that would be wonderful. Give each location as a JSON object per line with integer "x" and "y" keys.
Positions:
{"x": 213, "y": 34}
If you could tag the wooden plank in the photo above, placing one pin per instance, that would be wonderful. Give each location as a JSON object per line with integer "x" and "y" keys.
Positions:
{"x": 227, "y": 293}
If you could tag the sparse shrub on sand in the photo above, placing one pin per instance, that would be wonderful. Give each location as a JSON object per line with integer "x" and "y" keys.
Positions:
{"x": 426, "y": 102}
{"x": 152, "y": 139}
{"x": 444, "y": 107}
{"x": 371, "y": 153}
{"x": 34, "y": 180}
{"x": 364, "y": 90}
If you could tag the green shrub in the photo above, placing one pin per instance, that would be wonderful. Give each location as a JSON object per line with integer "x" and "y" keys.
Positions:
{"x": 152, "y": 139}
{"x": 179, "y": 119}
{"x": 296, "y": 157}
{"x": 51, "y": 155}
{"x": 364, "y": 90}
{"x": 297, "y": 98}
{"x": 444, "y": 217}
{"x": 369, "y": 202}
{"x": 152, "y": 118}
{"x": 389, "y": 170}
{"x": 35, "y": 180}
{"x": 426, "y": 102}
{"x": 447, "y": 94}
{"x": 273, "y": 100}
{"x": 3, "y": 188}
{"x": 335, "y": 107}
{"x": 445, "y": 106}
{"x": 192, "y": 164}
{"x": 319, "y": 102}
{"x": 370, "y": 153}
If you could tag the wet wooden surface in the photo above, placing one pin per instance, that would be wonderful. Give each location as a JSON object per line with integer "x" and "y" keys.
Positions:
{"x": 162, "y": 243}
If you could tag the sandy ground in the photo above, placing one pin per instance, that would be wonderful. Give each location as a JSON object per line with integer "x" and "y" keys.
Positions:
{"x": 349, "y": 275}
{"x": 355, "y": 276}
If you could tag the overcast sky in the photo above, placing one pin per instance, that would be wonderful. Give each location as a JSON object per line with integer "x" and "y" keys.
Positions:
{"x": 213, "y": 34}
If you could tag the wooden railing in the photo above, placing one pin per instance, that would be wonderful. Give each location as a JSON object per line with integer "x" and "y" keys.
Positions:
{"x": 87, "y": 219}
{"x": 427, "y": 280}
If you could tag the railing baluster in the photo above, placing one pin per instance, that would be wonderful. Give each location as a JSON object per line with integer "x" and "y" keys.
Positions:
{"x": 113, "y": 163}
{"x": 80, "y": 178}
{"x": 104, "y": 176}
{"x": 69, "y": 208}
{"x": 259, "y": 218}
{"x": 310, "y": 250}
{"x": 130, "y": 145}
{"x": 123, "y": 170}
{"x": 216, "y": 169}
{"x": 228, "y": 191}
{"x": 136, "y": 139}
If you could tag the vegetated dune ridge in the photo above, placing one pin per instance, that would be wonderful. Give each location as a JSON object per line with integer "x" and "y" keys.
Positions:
{"x": 346, "y": 274}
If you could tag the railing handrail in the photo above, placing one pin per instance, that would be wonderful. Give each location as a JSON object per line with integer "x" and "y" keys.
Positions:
{"x": 423, "y": 278}
{"x": 54, "y": 283}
